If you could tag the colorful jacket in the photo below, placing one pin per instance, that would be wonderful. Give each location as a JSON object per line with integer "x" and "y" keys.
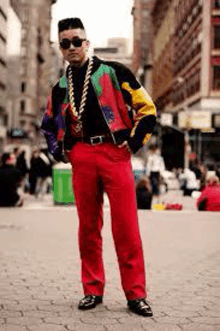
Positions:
{"x": 126, "y": 106}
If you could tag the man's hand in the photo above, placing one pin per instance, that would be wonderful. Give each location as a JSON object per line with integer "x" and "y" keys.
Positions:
{"x": 65, "y": 159}
{"x": 125, "y": 144}
{"x": 61, "y": 158}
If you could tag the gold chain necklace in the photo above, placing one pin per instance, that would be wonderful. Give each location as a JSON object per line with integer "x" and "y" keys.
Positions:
{"x": 78, "y": 115}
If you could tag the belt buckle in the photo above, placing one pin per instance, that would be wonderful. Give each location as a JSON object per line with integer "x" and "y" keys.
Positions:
{"x": 93, "y": 140}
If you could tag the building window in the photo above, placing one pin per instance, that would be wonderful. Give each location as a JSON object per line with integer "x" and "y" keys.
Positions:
{"x": 22, "y": 123}
{"x": 217, "y": 4}
{"x": 39, "y": 38}
{"x": 23, "y": 51}
{"x": 22, "y": 106}
{"x": 23, "y": 68}
{"x": 217, "y": 37}
{"x": 24, "y": 33}
{"x": 23, "y": 87}
{"x": 216, "y": 78}
{"x": 5, "y": 120}
{"x": 25, "y": 15}
{"x": 2, "y": 86}
{"x": 2, "y": 62}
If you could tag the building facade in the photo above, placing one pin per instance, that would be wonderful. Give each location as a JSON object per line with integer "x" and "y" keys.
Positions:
{"x": 4, "y": 5}
{"x": 186, "y": 70}
{"x": 142, "y": 42}
{"x": 116, "y": 50}
{"x": 13, "y": 68}
{"x": 35, "y": 64}
{"x": 163, "y": 51}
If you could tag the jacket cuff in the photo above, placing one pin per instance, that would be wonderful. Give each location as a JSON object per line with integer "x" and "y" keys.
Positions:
{"x": 134, "y": 145}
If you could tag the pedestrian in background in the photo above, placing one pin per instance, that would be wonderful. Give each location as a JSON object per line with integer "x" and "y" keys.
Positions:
{"x": 43, "y": 172}
{"x": 188, "y": 182}
{"x": 144, "y": 193}
{"x": 10, "y": 181}
{"x": 21, "y": 164}
{"x": 209, "y": 199}
{"x": 204, "y": 171}
{"x": 33, "y": 171}
{"x": 89, "y": 113}
{"x": 155, "y": 169}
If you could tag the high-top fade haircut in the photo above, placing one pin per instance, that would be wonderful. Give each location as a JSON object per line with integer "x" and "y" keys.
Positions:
{"x": 70, "y": 23}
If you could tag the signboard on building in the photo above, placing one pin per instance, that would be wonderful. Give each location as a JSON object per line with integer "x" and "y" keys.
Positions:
{"x": 196, "y": 119}
{"x": 201, "y": 120}
{"x": 17, "y": 133}
{"x": 184, "y": 119}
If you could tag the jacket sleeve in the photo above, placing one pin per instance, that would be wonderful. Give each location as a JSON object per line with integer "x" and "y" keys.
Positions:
{"x": 49, "y": 129}
{"x": 144, "y": 110}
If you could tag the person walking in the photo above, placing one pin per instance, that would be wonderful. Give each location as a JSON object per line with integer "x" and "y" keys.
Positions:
{"x": 21, "y": 165}
{"x": 33, "y": 172}
{"x": 43, "y": 173}
{"x": 98, "y": 114}
{"x": 189, "y": 182}
{"x": 155, "y": 169}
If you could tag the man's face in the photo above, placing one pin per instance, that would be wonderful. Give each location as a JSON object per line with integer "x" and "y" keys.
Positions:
{"x": 12, "y": 159}
{"x": 74, "y": 55}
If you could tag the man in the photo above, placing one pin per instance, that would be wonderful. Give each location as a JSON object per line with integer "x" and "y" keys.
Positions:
{"x": 98, "y": 113}
{"x": 43, "y": 167}
{"x": 155, "y": 169}
{"x": 10, "y": 180}
{"x": 209, "y": 200}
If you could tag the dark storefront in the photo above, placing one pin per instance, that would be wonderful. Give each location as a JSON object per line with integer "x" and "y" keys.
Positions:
{"x": 171, "y": 143}
{"x": 206, "y": 146}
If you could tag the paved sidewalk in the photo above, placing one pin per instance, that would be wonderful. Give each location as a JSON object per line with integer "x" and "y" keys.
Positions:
{"x": 39, "y": 279}
{"x": 173, "y": 196}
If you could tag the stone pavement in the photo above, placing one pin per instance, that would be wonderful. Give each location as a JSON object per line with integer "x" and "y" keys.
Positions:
{"x": 173, "y": 196}
{"x": 39, "y": 277}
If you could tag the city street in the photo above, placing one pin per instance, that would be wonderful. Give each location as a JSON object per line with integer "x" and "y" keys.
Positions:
{"x": 84, "y": 87}
{"x": 40, "y": 276}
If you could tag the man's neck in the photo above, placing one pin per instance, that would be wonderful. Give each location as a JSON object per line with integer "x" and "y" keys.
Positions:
{"x": 78, "y": 65}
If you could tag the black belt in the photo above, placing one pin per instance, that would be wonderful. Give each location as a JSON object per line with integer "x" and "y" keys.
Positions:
{"x": 96, "y": 140}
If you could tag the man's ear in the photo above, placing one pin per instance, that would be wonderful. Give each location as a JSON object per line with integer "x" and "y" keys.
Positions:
{"x": 88, "y": 44}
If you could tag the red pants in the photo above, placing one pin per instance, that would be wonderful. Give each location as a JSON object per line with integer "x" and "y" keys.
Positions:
{"x": 96, "y": 169}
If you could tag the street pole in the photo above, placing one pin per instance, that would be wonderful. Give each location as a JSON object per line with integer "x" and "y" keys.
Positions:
{"x": 187, "y": 149}
{"x": 200, "y": 145}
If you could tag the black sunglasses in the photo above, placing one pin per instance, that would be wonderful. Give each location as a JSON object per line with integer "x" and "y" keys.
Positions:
{"x": 77, "y": 42}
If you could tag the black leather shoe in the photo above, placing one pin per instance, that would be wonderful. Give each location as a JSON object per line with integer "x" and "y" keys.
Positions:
{"x": 90, "y": 301}
{"x": 140, "y": 307}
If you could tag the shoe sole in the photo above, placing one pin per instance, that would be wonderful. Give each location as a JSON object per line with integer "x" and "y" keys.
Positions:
{"x": 89, "y": 307}
{"x": 139, "y": 313}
